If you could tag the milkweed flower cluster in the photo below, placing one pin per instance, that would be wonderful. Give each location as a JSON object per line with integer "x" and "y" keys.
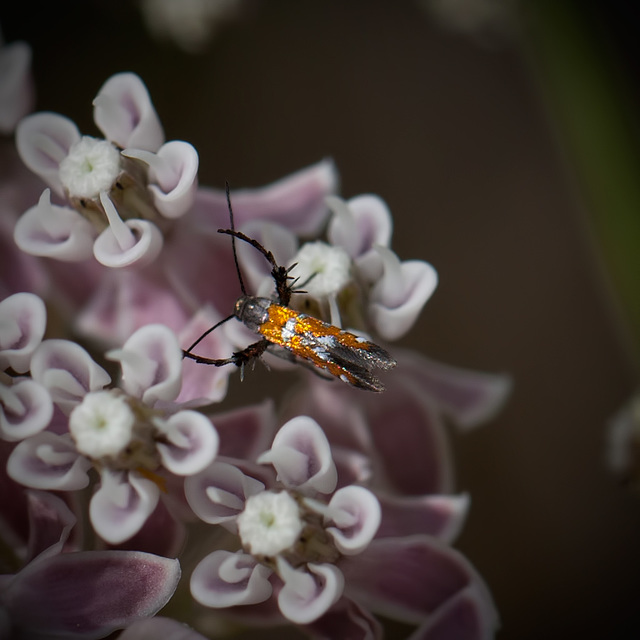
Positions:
{"x": 322, "y": 509}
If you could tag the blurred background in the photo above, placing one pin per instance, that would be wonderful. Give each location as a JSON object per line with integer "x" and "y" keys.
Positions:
{"x": 504, "y": 137}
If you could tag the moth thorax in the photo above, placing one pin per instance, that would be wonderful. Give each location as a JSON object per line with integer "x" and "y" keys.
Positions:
{"x": 252, "y": 312}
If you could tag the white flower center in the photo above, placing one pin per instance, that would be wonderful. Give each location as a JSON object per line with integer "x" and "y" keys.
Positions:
{"x": 323, "y": 270}
{"x": 270, "y": 523}
{"x": 91, "y": 167}
{"x": 102, "y": 425}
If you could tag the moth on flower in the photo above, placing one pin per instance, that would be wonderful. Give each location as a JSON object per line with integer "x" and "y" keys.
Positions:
{"x": 325, "y": 347}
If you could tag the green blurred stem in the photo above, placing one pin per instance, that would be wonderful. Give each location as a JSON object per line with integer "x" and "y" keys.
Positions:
{"x": 587, "y": 90}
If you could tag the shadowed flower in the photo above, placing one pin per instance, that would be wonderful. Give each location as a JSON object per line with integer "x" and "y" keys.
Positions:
{"x": 129, "y": 433}
{"x": 319, "y": 553}
{"x": 86, "y": 594}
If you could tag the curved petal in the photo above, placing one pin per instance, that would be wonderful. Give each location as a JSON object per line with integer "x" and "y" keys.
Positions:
{"x": 120, "y": 507}
{"x": 297, "y": 201}
{"x": 17, "y": 94}
{"x": 469, "y": 398}
{"x": 124, "y": 113}
{"x": 358, "y": 226}
{"x": 162, "y": 533}
{"x": 146, "y": 248}
{"x": 50, "y": 523}
{"x": 23, "y": 319}
{"x": 305, "y": 597}
{"x": 408, "y": 578}
{"x": 192, "y": 443}
{"x": 438, "y": 516}
{"x": 398, "y": 297}
{"x": 67, "y": 371}
{"x": 91, "y": 593}
{"x": 43, "y": 141}
{"x": 218, "y": 494}
{"x": 173, "y": 176}
{"x": 151, "y": 363}
{"x": 26, "y": 408}
{"x": 356, "y": 513}
{"x": 467, "y": 615}
{"x": 225, "y": 579}
{"x": 48, "y": 461}
{"x": 54, "y": 232}
{"x": 301, "y": 455}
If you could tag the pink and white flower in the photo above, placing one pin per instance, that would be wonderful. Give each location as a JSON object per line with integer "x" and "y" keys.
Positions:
{"x": 130, "y": 434}
{"x": 25, "y": 405}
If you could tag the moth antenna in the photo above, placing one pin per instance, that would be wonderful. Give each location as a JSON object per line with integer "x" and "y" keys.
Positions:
{"x": 233, "y": 241}
{"x": 207, "y": 332}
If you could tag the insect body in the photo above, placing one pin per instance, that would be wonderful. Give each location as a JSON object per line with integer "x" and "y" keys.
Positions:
{"x": 340, "y": 353}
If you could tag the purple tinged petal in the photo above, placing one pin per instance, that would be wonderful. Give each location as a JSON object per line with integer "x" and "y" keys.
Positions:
{"x": 352, "y": 467}
{"x": 355, "y": 513}
{"x": 256, "y": 271}
{"x": 197, "y": 249}
{"x": 173, "y": 176}
{"x": 125, "y": 301}
{"x": 43, "y": 141}
{"x": 89, "y": 594}
{"x": 19, "y": 270}
{"x": 159, "y": 628}
{"x": 23, "y": 318}
{"x": 56, "y": 232}
{"x": 67, "y": 371}
{"x": 191, "y": 443}
{"x": 218, "y": 494}
{"x": 26, "y": 408}
{"x": 358, "y": 226}
{"x": 161, "y": 534}
{"x": 346, "y": 619}
{"x": 122, "y": 504}
{"x": 224, "y": 579}
{"x": 14, "y": 521}
{"x": 308, "y": 595}
{"x": 204, "y": 385}
{"x": 124, "y": 113}
{"x": 48, "y": 461}
{"x": 337, "y": 408}
{"x": 399, "y": 295}
{"x": 151, "y": 361}
{"x": 17, "y": 93}
{"x": 438, "y": 516}
{"x": 408, "y": 439}
{"x": 297, "y": 202}
{"x": 408, "y": 578}
{"x": 50, "y": 523}
{"x": 301, "y": 455}
{"x": 469, "y": 398}
{"x": 468, "y": 616}
{"x": 245, "y": 432}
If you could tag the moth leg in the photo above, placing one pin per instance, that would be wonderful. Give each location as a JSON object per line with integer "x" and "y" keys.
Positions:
{"x": 239, "y": 358}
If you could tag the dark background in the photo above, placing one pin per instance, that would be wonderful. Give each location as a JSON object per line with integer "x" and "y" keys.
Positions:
{"x": 458, "y": 133}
